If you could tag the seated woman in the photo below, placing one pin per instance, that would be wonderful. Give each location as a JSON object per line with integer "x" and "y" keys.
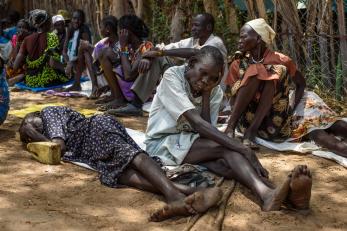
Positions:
{"x": 181, "y": 130}
{"x": 23, "y": 30}
{"x": 88, "y": 55}
{"x": 39, "y": 53}
{"x": 132, "y": 44}
{"x": 259, "y": 77}
{"x": 77, "y": 31}
{"x": 103, "y": 143}
{"x": 4, "y": 95}
{"x": 256, "y": 83}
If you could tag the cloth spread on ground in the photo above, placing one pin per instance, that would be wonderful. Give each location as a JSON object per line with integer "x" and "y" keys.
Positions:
{"x": 23, "y": 86}
{"x": 310, "y": 114}
{"x": 21, "y": 113}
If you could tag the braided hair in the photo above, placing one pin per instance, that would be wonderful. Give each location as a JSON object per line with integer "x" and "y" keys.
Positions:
{"x": 135, "y": 25}
{"x": 110, "y": 21}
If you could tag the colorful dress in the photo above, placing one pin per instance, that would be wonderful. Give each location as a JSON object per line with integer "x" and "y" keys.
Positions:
{"x": 312, "y": 114}
{"x": 4, "y": 98}
{"x": 99, "y": 141}
{"x": 276, "y": 67}
{"x": 39, "y": 73}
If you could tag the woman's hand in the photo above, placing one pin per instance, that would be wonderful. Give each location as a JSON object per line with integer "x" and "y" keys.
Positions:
{"x": 254, "y": 161}
{"x": 61, "y": 142}
{"x": 144, "y": 65}
{"x": 123, "y": 38}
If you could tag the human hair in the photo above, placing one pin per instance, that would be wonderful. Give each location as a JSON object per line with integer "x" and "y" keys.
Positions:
{"x": 22, "y": 130}
{"x": 38, "y": 18}
{"x": 209, "y": 19}
{"x": 135, "y": 25}
{"x": 210, "y": 52}
{"x": 110, "y": 21}
{"x": 26, "y": 22}
{"x": 82, "y": 14}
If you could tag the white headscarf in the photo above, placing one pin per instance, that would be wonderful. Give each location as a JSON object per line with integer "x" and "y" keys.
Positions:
{"x": 57, "y": 18}
{"x": 263, "y": 29}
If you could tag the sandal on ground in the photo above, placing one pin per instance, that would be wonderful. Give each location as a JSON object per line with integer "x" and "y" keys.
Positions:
{"x": 249, "y": 143}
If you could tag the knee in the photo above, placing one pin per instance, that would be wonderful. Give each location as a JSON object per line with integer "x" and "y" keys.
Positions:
{"x": 139, "y": 159}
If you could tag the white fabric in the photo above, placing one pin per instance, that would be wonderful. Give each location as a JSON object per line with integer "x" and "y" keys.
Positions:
{"x": 57, "y": 18}
{"x": 263, "y": 29}
{"x": 213, "y": 40}
{"x": 5, "y": 50}
{"x": 72, "y": 46}
{"x": 169, "y": 135}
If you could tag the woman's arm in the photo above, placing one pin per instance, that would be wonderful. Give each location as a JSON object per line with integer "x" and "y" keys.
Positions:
{"x": 179, "y": 52}
{"x": 30, "y": 134}
{"x": 300, "y": 84}
{"x": 205, "y": 111}
{"x": 18, "y": 61}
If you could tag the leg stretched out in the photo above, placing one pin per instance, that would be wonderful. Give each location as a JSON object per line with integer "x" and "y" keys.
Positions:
{"x": 145, "y": 174}
{"x": 329, "y": 141}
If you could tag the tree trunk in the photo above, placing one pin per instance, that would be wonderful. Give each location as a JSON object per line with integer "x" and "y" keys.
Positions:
{"x": 261, "y": 9}
{"x": 211, "y": 6}
{"x": 231, "y": 17}
{"x": 177, "y": 22}
{"x": 118, "y": 8}
{"x": 343, "y": 42}
{"x": 251, "y": 9}
{"x": 310, "y": 29}
{"x": 323, "y": 29}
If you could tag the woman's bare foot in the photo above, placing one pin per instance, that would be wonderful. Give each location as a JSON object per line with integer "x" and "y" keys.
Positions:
{"x": 95, "y": 93}
{"x": 276, "y": 197}
{"x": 300, "y": 188}
{"x": 197, "y": 202}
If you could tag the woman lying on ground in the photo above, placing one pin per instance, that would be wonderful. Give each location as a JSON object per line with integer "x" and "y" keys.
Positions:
{"x": 39, "y": 52}
{"x": 260, "y": 76}
{"x": 77, "y": 31}
{"x": 123, "y": 63}
{"x": 181, "y": 130}
{"x": 23, "y": 30}
{"x": 102, "y": 142}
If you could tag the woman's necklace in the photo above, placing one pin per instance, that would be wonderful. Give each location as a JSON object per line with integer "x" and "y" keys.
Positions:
{"x": 255, "y": 62}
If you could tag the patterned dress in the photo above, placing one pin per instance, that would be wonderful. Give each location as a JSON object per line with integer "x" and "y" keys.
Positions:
{"x": 276, "y": 67}
{"x": 4, "y": 98}
{"x": 99, "y": 141}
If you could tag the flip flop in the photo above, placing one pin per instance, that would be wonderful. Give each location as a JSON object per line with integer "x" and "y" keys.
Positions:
{"x": 249, "y": 143}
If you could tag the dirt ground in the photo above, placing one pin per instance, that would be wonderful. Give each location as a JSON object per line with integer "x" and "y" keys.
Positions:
{"x": 34, "y": 196}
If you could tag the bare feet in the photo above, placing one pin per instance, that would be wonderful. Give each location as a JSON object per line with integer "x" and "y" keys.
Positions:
{"x": 197, "y": 202}
{"x": 95, "y": 93}
{"x": 276, "y": 197}
{"x": 300, "y": 187}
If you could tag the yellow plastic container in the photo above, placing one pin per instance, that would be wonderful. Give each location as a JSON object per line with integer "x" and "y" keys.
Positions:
{"x": 45, "y": 152}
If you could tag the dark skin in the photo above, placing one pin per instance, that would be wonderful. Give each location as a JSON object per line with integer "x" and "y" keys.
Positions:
{"x": 201, "y": 29}
{"x": 20, "y": 58}
{"x": 131, "y": 70}
{"x": 251, "y": 42}
{"x": 76, "y": 23}
{"x": 219, "y": 153}
{"x": 143, "y": 173}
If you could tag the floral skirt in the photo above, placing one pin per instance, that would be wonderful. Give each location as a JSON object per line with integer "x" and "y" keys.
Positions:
{"x": 311, "y": 114}
{"x": 276, "y": 125}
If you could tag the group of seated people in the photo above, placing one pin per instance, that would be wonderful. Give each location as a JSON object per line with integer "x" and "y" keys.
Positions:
{"x": 187, "y": 81}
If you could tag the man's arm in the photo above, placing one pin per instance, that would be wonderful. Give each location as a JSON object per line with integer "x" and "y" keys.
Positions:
{"x": 179, "y": 52}
{"x": 206, "y": 112}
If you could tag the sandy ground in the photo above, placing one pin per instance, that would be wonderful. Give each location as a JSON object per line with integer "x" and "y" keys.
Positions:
{"x": 34, "y": 196}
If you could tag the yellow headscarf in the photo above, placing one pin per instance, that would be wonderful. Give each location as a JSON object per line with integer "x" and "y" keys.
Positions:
{"x": 263, "y": 29}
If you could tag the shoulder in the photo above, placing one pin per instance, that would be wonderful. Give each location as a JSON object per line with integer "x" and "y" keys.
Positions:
{"x": 175, "y": 72}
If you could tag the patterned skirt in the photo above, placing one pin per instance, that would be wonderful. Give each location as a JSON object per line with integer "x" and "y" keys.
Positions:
{"x": 276, "y": 125}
